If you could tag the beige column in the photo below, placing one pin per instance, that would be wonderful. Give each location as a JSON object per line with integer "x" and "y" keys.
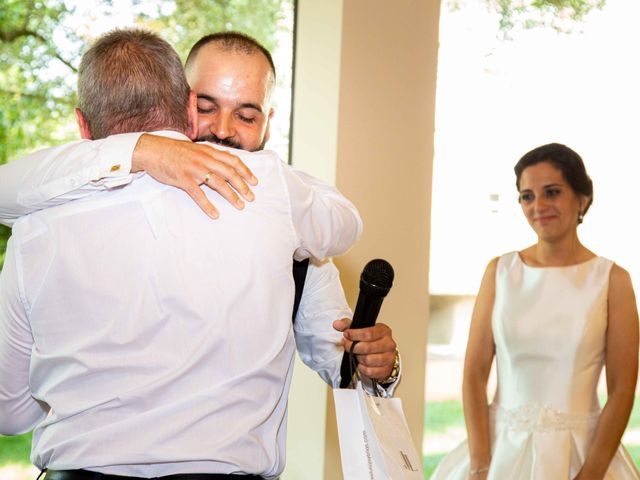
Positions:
{"x": 314, "y": 143}
{"x": 384, "y": 103}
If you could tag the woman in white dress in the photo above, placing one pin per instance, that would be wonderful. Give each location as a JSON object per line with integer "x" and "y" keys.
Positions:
{"x": 553, "y": 315}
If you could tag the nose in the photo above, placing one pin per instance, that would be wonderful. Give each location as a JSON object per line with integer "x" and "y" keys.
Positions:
{"x": 540, "y": 203}
{"x": 223, "y": 127}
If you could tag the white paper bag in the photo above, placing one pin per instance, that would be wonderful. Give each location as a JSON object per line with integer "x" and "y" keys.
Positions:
{"x": 375, "y": 442}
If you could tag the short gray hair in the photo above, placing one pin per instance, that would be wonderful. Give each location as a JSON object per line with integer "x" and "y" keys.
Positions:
{"x": 131, "y": 80}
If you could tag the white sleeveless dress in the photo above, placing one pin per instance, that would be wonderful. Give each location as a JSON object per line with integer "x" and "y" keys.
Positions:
{"x": 549, "y": 328}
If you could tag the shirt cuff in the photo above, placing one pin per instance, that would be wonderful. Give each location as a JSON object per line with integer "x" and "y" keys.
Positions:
{"x": 115, "y": 157}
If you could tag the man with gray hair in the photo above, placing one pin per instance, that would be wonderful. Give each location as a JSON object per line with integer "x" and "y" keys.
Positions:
{"x": 134, "y": 91}
{"x": 129, "y": 359}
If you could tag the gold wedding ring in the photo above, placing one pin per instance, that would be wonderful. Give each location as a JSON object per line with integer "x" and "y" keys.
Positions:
{"x": 207, "y": 177}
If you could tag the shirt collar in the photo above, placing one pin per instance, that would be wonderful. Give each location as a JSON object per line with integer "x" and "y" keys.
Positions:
{"x": 170, "y": 134}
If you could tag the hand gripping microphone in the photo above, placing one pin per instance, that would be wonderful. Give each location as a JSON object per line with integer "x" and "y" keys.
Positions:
{"x": 375, "y": 282}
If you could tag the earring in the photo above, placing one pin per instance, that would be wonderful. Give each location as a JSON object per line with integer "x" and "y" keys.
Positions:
{"x": 580, "y": 217}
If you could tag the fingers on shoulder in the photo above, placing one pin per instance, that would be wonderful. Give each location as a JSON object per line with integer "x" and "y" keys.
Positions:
{"x": 212, "y": 152}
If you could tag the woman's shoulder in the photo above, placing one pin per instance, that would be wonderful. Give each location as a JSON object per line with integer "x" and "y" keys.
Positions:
{"x": 492, "y": 266}
{"x": 618, "y": 277}
{"x": 618, "y": 274}
{"x": 500, "y": 263}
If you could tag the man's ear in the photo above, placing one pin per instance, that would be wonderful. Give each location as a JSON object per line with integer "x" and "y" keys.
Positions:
{"x": 267, "y": 132}
{"x": 192, "y": 114}
{"x": 85, "y": 133}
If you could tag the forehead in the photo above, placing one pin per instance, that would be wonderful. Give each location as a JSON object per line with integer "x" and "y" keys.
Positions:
{"x": 230, "y": 74}
{"x": 541, "y": 174}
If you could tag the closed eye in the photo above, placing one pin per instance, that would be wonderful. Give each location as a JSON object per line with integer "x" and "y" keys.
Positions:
{"x": 246, "y": 119}
{"x": 206, "y": 104}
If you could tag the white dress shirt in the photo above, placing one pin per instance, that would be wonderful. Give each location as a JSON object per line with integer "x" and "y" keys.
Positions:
{"x": 54, "y": 176}
{"x": 141, "y": 338}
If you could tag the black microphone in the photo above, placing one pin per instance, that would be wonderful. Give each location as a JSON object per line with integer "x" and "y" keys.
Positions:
{"x": 375, "y": 282}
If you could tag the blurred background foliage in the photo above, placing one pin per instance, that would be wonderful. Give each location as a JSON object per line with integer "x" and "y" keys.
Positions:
{"x": 561, "y": 15}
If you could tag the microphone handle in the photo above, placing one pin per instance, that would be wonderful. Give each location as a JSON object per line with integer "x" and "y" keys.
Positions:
{"x": 366, "y": 312}
{"x": 365, "y": 315}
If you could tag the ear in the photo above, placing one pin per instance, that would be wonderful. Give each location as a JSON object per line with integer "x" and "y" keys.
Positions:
{"x": 85, "y": 133}
{"x": 267, "y": 130}
{"x": 584, "y": 201}
{"x": 192, "y": 113}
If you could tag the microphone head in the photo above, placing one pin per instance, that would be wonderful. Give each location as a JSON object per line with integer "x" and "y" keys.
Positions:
{"x": 377, "y": 278}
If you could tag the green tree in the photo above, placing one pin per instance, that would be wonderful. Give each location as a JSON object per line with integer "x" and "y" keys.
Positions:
{"x": 36, "y": 96}
{"x": 561, "y": 15}
{"x": 36, "y": 77}
{"x": 189, "y": 20}
{"x": 558, "y": 14}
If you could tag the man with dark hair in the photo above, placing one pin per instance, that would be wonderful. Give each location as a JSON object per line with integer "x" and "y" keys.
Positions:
{"x": 233, "y": 77}
{"x": 138, "y": 338}
{"x": 231, "y": 41}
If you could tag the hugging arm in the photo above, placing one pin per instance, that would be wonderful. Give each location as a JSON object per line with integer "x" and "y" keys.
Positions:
{"x": 57, "y": 175}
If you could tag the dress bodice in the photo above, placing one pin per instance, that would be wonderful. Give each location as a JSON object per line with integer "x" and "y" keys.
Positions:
{"x": 549, "y": 327}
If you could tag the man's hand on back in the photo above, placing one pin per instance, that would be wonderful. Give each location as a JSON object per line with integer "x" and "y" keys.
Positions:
{"x": 188, "y": 165}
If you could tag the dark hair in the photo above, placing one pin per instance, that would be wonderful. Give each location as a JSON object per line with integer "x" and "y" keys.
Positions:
{"x": 234, "y": 42}
{"x": 131, "y": 80}
{"x": 565, "y": 160}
